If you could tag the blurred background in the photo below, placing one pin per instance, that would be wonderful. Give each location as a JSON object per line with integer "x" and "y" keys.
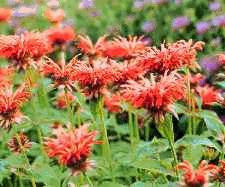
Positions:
{"x": 158, "y": 20}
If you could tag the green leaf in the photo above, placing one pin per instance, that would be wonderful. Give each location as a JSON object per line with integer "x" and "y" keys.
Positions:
{"x": 212, "y": 121}
{"x": 111, "y": 184}
{"x": 221, "y": 84}
{"x": 193, "y": 154}
{"x": 196, "y": 140}
{"x": 153, "y": 165}
{"x": 179, "y": 108}
{"x": 165, "y": 128}
{"x": 152, "y": 148}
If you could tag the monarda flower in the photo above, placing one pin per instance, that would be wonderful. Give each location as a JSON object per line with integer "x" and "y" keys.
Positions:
{"x": 63, "y": 99}
{"x": 197, "y": 177}
{"x": 156, "y": 95}
{"x": 87, "y": 47}
{"x": 112, "y": 102}
{"x": 72, "y": 148}
{"x": 209, "y": 95}
{"x": 59, "y": 36}
{"x": 95, "y": 76}
{"x": 171, "y": 56}
{"x": 5, "y": 14}
{"x": 60, "y": 73}
{"x": 221, "y": 171}
{"x": 10, "y": 104}
{"x": 6, "y": 75}
{"x": 221, "y": 59}
{"x": 23, "y": 50}
{"x": 55, "y": 16}
{"x": 125, "y": 48}
{"x": 129, "y": 70}
{"x": 19, "y": 143}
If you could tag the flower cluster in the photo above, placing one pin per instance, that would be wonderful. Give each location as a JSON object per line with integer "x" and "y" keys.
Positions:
{"x": 25, "y": 49}
{"x": 155, "y": 95}
{"x": 10, "y": 103}
{"x": 199, "y": 177}
{"x": 72, "y": 148}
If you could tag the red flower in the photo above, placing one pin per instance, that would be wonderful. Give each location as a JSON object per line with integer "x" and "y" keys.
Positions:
{"x": 171, "y": 56}
{"x": 60, "y": 36}
{"x": 18, "y": 147}
{"x": 23, "y": 50}
{"x": 221, "y": 171}
{"x": 198, "y": 177}
{"x": 112, "y": 102}
{"x": 124, "y": 48}
{"x": 222, "y": 59}
{"x": 209, "y": 95}
{"x": 6, "y": 76}
{"x": 61, "y": 74}
{"x": 94, "y": 77}
{"x": 72, "y": 148}
{"x": 55, "y": 16}
{"x": 64, "y": 99}
{"x": 129, "y": 70}
{"x": 5, "y": 14}
{"x": 196, "y": 78}
{"x": 10, "y": 103}
{"x": 157, "y": 95}
{"x": 87, "y": 47}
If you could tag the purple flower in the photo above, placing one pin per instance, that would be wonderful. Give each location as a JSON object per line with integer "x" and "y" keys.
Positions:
{"x": 147, "y": 40}
{"x": 95, "y": 13}
{"x": 210, "y": 64}
{"x": 214, "y": 6}
{"x": 178, "y": 2}
{"x": 202, "y": 27}
{"x": 25, "y": 11}
{"x": 148, "y": 26}
{"x": 12, "y": 2}
{"x": 219, "y": 21}
{"x": 180, "y": 22}
{"x": 86, "y": 4}
{"x": 138, "y": 4}
{"x": 159, "y": 2}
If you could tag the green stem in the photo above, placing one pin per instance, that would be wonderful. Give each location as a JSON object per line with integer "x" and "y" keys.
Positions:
{"x": 189, "y": 101}
{"x": 89, "y": 180}
{"x": 171, "y": 143}
{"x": 136, "y": 129}
{"x": 147, "y": 132}
{"x": 105, "y": 146}
{"x": 131, "y": 131}
{"x": 27, "y": 160}
{"x": 20, "y": 182}
{"x": 78, "y": 117}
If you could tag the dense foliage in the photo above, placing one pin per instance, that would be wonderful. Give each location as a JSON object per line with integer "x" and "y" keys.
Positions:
{"x": 112, "y": 93}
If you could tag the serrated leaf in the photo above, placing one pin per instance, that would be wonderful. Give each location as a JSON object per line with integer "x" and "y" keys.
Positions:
{"x": 212, "y": 121}
{"x": 152, "y": 148}
{"x": 153, "y": 165}
{"x": 196, "y": 140}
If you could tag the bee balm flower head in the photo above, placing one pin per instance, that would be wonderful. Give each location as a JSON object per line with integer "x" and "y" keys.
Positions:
{"x": 5, "y": 14}
{"x": 55, "y": 16}
{"x": 197, "y": 177}
{"x": 20, "y": 143}
{"x": 72, "y": 148}
{"x": 25, "y": 49}
{"x": 60, "y": 73}
{"x": 95, "y": 76}
{"x": 10, "y": 103}
{"x": 155, "y": 95}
